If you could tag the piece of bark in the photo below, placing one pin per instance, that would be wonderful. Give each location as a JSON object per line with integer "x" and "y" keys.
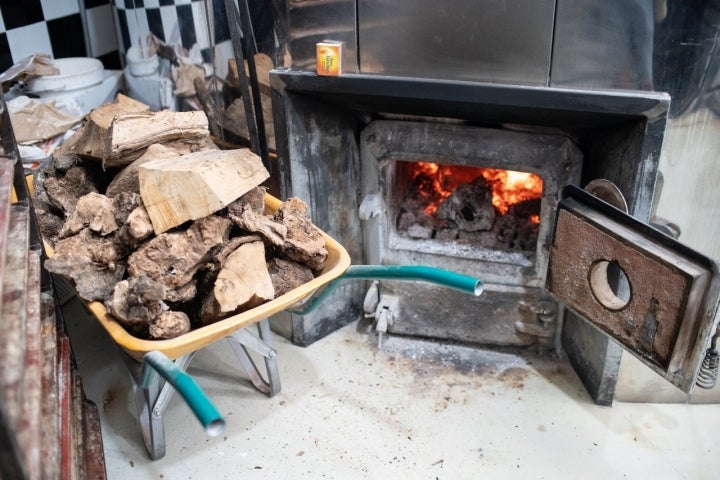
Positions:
{"x": 287, "y": 276}
{"x": 93, "y": 211}
{"x": 196, "y": 185}
{"x": 94, "y": 264}
{"x": 127, "y": 179}
{"x": 169, "y": 324}
{"x": 64, "y": 191}
{"x": 130, "y": 134}
{"x": 89, "y": 140}
{"x": 173, "y": 258}
{"x": 244, "y": 281}
{"x": 136, "y": 302}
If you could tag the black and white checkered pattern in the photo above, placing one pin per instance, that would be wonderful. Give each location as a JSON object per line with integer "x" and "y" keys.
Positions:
{"x": 56, "y": 27}
{"x": 185, "y": 22}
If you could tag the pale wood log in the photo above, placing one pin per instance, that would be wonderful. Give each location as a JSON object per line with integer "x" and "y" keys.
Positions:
{"x": 129, "y": 135}
{"x": 244, "y": 280}
{"x": 196, "y": 185}
{"x": 127, "y": 179}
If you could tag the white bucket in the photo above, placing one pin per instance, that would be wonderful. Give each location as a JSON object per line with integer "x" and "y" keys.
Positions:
{"x": 141, "y": 65}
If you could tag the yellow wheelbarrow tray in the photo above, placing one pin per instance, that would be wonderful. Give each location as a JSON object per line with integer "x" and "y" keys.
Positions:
{"x": 337, "y": 262}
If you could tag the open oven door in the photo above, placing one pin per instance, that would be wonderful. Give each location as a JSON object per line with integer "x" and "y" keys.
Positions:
{"x": 654, "y": 296}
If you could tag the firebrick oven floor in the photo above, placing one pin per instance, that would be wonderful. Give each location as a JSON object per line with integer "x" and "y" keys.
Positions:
{"x": 412, "y": 409}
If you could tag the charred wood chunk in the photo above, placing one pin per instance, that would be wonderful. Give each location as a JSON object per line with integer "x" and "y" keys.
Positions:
{"x": 93, "y": 211}
{"x": 173, "y": 258}
{"x": 415, "y": 224}
{"x": 287, "y": 276}
{"x": 469, "y": 206}
{"x": 169, "y": 324}
{"x": 136, "y": 302}
{"x": 304, "y": 242}
{"x": 94, "y": 264}
{"x": 64, "y": 191}
{"x": 247, "y": 213}
{"x": 125, "y": 203}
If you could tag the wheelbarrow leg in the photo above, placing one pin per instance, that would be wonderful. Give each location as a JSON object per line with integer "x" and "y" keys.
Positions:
{"x": 151, "y": 403}
{"x": 242, "y": 341}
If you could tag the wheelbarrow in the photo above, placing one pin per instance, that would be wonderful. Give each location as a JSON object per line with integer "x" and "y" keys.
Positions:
{"x": 170, "y": 358}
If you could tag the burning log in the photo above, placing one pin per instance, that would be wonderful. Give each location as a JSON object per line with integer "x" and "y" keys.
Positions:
{"x": 469, "y": 206}
{"x": 196, "y": 185}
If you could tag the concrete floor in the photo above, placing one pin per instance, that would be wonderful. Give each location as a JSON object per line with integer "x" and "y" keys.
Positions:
{"x": 412, "y": 410}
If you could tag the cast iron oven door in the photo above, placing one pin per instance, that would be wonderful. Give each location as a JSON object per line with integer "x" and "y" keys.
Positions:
{"x": 654, "y": 296}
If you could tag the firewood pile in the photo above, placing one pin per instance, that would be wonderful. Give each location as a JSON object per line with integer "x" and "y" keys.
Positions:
{"x": 146, "y": 215}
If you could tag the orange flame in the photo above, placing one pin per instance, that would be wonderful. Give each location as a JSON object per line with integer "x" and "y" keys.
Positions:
{"x": 436, "y": 182}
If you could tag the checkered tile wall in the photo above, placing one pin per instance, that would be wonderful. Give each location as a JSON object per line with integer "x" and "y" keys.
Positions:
{"x": 173, "y": 21}
{"x": 56, "y": 27}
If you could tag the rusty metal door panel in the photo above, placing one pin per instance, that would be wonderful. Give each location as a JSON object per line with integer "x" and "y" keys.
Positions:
{"x": 654, "y": 296}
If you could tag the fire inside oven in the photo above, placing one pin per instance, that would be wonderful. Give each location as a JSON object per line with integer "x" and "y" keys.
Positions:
{"x": 478, "y": 208}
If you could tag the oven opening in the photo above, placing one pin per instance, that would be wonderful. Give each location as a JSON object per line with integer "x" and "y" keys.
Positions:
{"x": 468, "y": 211}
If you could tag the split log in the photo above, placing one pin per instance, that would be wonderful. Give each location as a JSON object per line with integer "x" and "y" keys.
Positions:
{"x": 244, "y": 281}
{"x": 173, "y": 258}
{"x": 94, "y": 264}
{"x": 196, "y": 185}
{"x": 127, "y": 179}
{"x": 89, "y": 140}
{"x": 130, "y": 134}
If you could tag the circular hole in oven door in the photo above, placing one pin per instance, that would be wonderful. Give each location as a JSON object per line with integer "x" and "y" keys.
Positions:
{"x": 610, "y": 285}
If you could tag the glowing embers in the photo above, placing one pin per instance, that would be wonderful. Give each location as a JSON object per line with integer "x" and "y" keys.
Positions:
{"x": 491, "y": 208}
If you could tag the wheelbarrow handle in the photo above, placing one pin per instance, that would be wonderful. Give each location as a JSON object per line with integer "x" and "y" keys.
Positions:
{"x": 438, "y": 276}
{"x": 155, "y": 362}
